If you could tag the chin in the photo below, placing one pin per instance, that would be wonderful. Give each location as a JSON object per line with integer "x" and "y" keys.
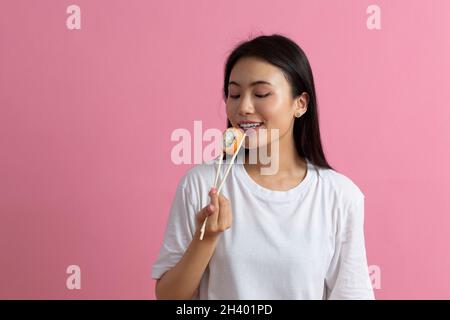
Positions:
{"x": 258, "y": 145}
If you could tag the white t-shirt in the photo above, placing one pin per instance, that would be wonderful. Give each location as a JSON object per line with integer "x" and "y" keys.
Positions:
{"x": 304, "y": 243}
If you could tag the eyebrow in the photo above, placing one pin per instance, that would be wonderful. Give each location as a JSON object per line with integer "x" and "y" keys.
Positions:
{"x": 254, "y": 83}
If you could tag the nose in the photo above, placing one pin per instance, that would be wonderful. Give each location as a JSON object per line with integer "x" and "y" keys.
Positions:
{"x": 245, "y": 106}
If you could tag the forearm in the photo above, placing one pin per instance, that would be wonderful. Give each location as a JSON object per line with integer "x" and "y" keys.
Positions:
{"x": 183, "y": 279}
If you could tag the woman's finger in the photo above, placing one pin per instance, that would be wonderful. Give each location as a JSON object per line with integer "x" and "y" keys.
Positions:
{"x": 224, "y": 218}
{"x": 213, "y": 218}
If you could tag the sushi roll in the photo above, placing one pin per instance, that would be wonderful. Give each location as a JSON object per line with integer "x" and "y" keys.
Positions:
{"x": 231, "y": 140}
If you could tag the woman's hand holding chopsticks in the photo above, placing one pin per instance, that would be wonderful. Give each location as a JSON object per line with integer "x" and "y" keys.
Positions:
{"x": 218, "y": 213}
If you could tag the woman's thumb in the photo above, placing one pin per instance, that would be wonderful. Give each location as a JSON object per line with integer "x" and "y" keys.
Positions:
{"x": 206, "y": 212}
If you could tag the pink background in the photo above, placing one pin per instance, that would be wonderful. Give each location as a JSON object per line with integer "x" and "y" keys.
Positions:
{"x": 86, "y": 116}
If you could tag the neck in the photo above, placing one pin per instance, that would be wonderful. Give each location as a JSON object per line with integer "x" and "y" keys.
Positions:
{"x": 289, "y": 161}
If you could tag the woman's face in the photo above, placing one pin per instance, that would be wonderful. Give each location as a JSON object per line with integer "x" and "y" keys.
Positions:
{"x": 259, "y": 92}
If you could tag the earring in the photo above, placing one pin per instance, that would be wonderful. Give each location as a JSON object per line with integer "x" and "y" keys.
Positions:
{"x": 298, "y": 114}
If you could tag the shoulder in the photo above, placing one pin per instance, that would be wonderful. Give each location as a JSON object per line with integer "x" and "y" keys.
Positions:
{"x": 341, "y": 186}
{"x": 198, "y": 175}
{"x": 196, "y": 183}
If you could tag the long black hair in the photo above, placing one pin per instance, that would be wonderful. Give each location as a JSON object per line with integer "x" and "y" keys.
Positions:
{"x": 285, "y": 54}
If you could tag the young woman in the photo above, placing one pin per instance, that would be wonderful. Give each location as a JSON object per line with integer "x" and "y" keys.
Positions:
{"x": 294, "y": 234}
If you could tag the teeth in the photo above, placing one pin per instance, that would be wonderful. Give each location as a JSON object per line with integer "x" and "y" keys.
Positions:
{"x": 249, "y": 125}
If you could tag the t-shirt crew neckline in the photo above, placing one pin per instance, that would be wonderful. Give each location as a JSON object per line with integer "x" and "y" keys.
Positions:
{"x": 279, "y": 195}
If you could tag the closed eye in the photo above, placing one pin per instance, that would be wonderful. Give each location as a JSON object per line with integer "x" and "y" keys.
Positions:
{"x": 257, "y": 95}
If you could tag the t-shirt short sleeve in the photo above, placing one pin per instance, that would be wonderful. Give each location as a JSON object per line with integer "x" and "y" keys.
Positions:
{"x": 348, "y": 274}
{"x": 179, "y": 231}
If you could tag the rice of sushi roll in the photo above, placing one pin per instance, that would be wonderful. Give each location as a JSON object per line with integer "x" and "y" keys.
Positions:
{"x": 231, "y": 139}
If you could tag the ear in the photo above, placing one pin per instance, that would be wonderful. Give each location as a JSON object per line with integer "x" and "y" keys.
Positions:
{"x": 301, "y": 103}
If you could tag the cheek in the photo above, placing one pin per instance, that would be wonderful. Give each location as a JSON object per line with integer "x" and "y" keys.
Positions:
{"x": 276, "y": 117}
{"x": 231, "y": 105}
{"x": 229, "y": 110}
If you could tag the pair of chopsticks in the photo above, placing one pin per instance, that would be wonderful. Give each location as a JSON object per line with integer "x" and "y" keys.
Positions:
{"x": 202, "y": 230}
